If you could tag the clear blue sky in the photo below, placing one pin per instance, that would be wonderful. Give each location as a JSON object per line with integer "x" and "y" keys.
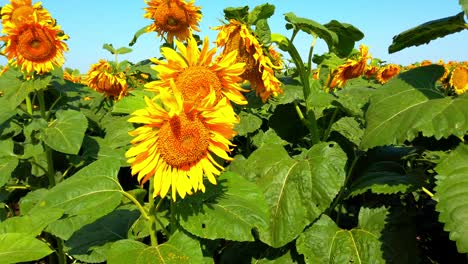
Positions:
{"x": 91, "y": 23}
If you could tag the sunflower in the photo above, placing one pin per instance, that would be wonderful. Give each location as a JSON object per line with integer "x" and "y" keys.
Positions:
{"x": 35, "y": 46}
{"x": 103, "y": 78}
{"x": 195, "y": 72}
{"x": 260, "y": 63}
{"x": 177, "y": 141}
{"x": 174, "y": 18}
{"x": 23, "y": 11}
{"x": 68, "y": 75}
{"x": 351, "y": 69}
{"x": 387, "y": 72}
{"x": 459, "y": 79}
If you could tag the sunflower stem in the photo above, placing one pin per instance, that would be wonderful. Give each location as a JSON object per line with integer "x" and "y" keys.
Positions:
{"x": 151, "y": 216}
{"x": 304, "y": 76}
{"x": 142, "y": 210}
{"x": 29, "y": 105}
{"x": 173, "y": 217}
{"x": 332, "y": 120}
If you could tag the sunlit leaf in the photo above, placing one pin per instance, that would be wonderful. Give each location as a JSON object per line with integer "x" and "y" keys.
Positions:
{"x": 17, "y": 247}
{"x": 31, "y": 224}
{"x": 325, "y": 242}
{"x": 140, "y": 32}
{"x": 65, "y": 134}
{"x": 236, "y": 13}
{"x": 451, "y": 194}
{"x": 347, "y": 37}
{"x": 464, "y": 5}
{"x": 134, "y": 101}
{"x": 260, "y": 12}
{"x": 299, "y": 190}
{"x": 410, "y": 104}
{"x": 7, "y": 166}
{"x": 312, "y": 27}
{"x": 180, "y": 248}
{"x": 428, "y": 31}
{"x": 349, "y": 128}
{"x": 229, "y": 210}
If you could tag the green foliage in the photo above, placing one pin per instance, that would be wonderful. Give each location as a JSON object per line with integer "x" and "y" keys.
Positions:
{"x": 451, "y": 195}
{"x": 325, "y": 242}
{"x": 18, "y": 247}
{"x": 400, "y": 110}
{"x": 65, "y": 134}
{"x": 428, "y": 31}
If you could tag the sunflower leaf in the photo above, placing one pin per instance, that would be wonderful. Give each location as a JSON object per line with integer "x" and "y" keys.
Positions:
{"x": 428, "y": 31}
{"x": 313, "y": 28}
{"x": 464, "y": 5}
{"x": 180, "y": 248}
{"x": 299, "y": 190}
{"x": 236, "y": 13}
{"x": 65, "y": 134}
{"x": 260, "y": 12}
{"x": 140, "y": 32}
{"x": 410, "y": 104}
{"x": 18, "y": 247}
{"x": 347, "y": 36}
{"x": 451, "y": 194}
{"x": 229, "y": 210}
{"x": 325, "y": 242}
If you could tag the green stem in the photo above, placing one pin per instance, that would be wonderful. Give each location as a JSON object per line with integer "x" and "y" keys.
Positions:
{"x": 173, "y": 217}
{"x": 327, "y": 132}
{"x": 344, "y": 189}
{"x": 142, "y": 210}
{"x": 311, "y": 52}
{"x": 304, "y": 76}
{"x": 61, "y": 256}
{"x": 151, "y": 215}
{"x": 29, "y": 105}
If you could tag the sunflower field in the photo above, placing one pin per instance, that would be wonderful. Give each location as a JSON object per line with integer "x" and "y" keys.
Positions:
{"x": 233, "y": 150}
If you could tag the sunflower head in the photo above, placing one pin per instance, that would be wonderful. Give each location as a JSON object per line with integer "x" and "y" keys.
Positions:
{"x": 178, "y": 140}
{"x": 36, "y": 47}
{"x": 173, "y": 18}
{"x": 459, "y": 79}
{"x": 387, "y": 72}
{"x": 352, "y": 68}
{"x": 23, "y": 11}
{"x": 195, "y": 72}
{"x": 104, "y": 78}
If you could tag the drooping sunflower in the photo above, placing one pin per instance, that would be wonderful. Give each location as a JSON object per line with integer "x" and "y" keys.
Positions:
{"x": 387, "y": 72}
{"x": 351, "y": 69}
{"x": 260, "y": 63}
{"x": 459, "y": 79}
{"x": 173, "y": 18}
{"x": 177, "y": 141}
{"x": 35, "y": 46}
{"x": 103, "y": 78}
{"x": 195, "y": 72}
{"x": 23, "y": 11}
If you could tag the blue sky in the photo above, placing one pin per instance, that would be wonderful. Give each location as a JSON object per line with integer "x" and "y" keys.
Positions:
{"x": 91, "y": 23}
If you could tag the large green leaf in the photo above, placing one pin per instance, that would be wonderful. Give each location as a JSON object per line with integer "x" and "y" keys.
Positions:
{"x": 18, "y": 247}
{"x": 325, "y": 242}
{"x": 312, "y": 27}
{"x": 180, "y": 248}
{"x": 91, "y": 242}
{"x": 451, "y": 194}
{"x": 134, "y": 101}
{"x": 7, "y": 166}
{"x": 260, "y": 12}
{"x": 428, "y": 31}
{"x": 349, "y": 128}
{"x": 347, "y": 36}
{"x": 93, "y": 189}
{"x": 248, "y": 123}
{"x": 410, "y": 104}
{"x": 32, "y": 224}
{"x": 229, "y": 210}
{"x": 65, "y": 134}
{"x": 299, "y": 190}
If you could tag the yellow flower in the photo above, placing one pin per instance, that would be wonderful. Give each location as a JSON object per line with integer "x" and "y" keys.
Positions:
{"x": 35, "y": 47}
{"x": 351, "y": 69}
{"x": 259, "y": 67}
{"x": 174, "y": 18}
{"x": 459, "y": 79}
{"x": 177, "y": 141}
{"x": 387, "y": 72}
{"x": 103, "y": 78}
{"x": 23, "y": 11}
{"x": 195, "y": 72}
